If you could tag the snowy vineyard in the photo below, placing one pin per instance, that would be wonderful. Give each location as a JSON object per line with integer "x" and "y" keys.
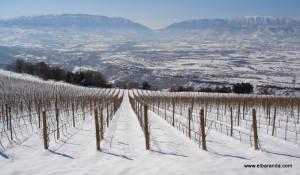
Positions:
{"x": 72, "y": 122}
{"x": 243, "y": 117}
{"x": 49, "y": 109}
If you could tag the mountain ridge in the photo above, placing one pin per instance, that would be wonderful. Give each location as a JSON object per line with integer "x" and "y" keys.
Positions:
{"x": 98, "y": 21}
{"x": 237, "y": 23}
{"x": 72, "y": 20}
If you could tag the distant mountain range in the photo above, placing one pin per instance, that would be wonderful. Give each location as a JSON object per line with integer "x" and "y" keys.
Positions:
{"x": 76, "y": 21}
{"x": 96, "y": 21}
{"x": 248, "y": 22}
{"x": 265, "y": 27}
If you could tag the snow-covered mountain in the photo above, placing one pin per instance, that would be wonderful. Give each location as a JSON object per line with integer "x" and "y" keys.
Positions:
{"x": 115, "y": 25}
{"x": 239, "y": 23}
{"x": 95, "y": 21}
{"x": 79, "y": 21}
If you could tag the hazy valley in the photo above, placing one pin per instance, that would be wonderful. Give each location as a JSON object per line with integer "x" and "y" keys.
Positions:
{"x": 259, "y": 50}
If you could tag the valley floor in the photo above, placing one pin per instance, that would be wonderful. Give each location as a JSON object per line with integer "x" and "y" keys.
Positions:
{"x": 123, "y": 152}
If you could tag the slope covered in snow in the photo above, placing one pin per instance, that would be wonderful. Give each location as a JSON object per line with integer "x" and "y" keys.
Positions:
{"x": 123, "y": 151}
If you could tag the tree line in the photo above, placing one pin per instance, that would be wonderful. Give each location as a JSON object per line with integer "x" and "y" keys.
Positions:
{"x": 87, "y": 78}
{"x": 239, "y": 88}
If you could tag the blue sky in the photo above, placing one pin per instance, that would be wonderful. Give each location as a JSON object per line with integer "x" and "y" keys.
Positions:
{"x": 153, "y": 13}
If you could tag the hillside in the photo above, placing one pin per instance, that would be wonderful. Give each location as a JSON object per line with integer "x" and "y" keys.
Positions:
{"x": 24, "y": 149}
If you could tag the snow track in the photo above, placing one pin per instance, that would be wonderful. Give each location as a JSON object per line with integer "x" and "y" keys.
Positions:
{"x": 124, "y": 137}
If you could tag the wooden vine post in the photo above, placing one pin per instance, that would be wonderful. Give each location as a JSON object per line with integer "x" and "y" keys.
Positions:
{"x": 270, "y": 109}
{"x": 244, "y": 104}
{"x": 39, "y": 113}
{"x": 107, "y": 114}
{"x": 45, "y": 130}
{"x": 254, "y": 124}
{"x": 6, "y": 113}
{"x": 73, "y": 114}
{"x": 101, "y": 123}
{"x": 115, "y": 104}
{"x": 97, "y": 130}
{"x": 202, "y": 130}
{"x": 83, "y": 112}
{"x": 231, "y": 122}
{"x": 146, "y": 129}
{"x": 57, "y": 120}
{"x": 274, "y": 119}
{"x": 111, "y": 108}
{"x": 239, "y": 111}
{"x": 29, "y": 110}
{"x": 10, "y": 123}
{"x": 173, "y": 115}
{"x": 166, "y": 108}
{"x": 189, "y": 124}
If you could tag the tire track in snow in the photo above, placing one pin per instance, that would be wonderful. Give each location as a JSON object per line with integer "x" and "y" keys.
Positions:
{"x": 124, "y": 137}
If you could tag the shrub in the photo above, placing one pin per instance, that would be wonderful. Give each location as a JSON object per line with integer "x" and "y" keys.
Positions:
{"x": 146, "y": 85}
{"x": 243, "y": 88}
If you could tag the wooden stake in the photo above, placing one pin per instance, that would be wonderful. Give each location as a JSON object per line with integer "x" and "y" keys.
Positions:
{"x": 45, "y": 130}
{"x": 254, "y": 124}
{"x": 147, "y": 138}
{"x": 202, "y": 130}
{"x": 173, "y": 116}
{"x": 107, "y": 114}
{"x": 7, "y": 117}
{"x": 101, "y": 123}
{"x": 83, "y": 112}
{"x": 73, "y": 114}
{"x": 269, "y": 115}
{"x": 244, "y": 110}
{"x": 239, "y": 111}
{"x": 298, "y": 114}
{"x": 189, "y": 124}
{"x": 10, "y": 123}
{"x": 57, "y": 122}
{"x": 274, "y": 119}
{"x": 39, "y": 114}
{"x": 166, "y": 109}
{"x": 205, "y": 117}
{"x": 97, "y": 130}
{"x": 231, "y": 122}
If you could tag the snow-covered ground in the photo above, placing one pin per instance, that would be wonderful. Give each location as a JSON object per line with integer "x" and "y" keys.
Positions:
{"x": 123, "y": 152}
